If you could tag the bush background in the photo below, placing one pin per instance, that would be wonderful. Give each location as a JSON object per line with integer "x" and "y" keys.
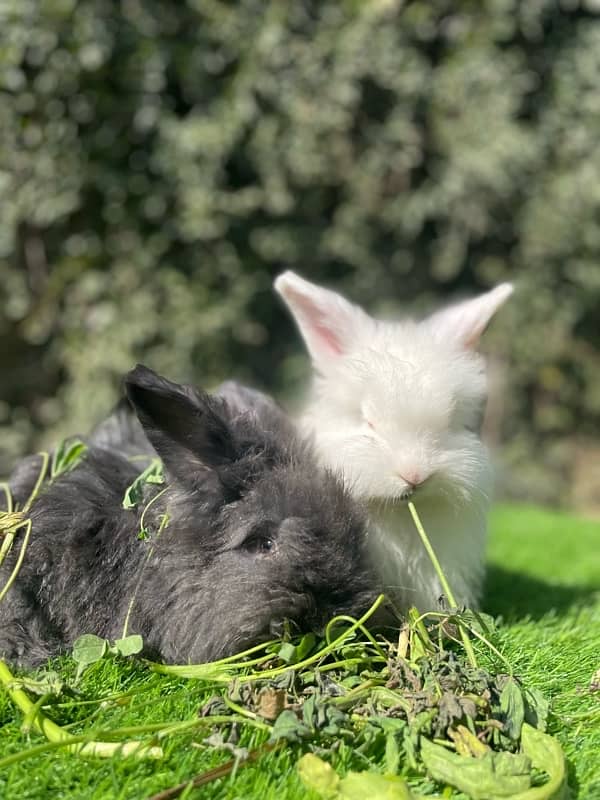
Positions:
{"x": 161, "y": 162}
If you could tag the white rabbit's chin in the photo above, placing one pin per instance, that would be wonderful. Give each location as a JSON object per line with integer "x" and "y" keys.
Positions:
{"x": 433, "y": 491}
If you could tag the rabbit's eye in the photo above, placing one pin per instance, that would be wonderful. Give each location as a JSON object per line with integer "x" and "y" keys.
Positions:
{"x": 261, "y": 540}
{"x": 259, "y": 544}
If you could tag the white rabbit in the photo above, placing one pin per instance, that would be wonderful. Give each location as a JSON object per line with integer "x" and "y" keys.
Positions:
{"x": 396, "y": 408}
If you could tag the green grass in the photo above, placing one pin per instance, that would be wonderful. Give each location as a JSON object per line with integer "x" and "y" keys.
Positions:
{"x": 543, "y": 580}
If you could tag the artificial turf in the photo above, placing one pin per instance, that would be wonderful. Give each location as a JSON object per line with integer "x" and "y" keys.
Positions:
{"x": 543, "y": 580}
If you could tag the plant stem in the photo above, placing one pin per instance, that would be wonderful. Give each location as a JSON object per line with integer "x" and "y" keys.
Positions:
{"x": 444, "y": 583}
{"x": 163, "y": 524}
{"x": 7, "y": 494}
{"x": 54, "y": 733}
{"x": 217, "y": 772}
{"x": 40, "y": 479}
{"x": 21, "y": 556}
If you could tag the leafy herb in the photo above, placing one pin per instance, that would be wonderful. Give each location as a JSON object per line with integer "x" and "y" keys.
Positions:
{"x": 496, "y": 775}
{"x": 153, "y": 474}
{"x": 129, "y": 645}
{"x": 88, "y": 649}
{"x": 512, "y": 708}
{"x": 537, "y": 707}
{"x": 67, "y": 455}
{"x": 490, "y": 776}
{"x": 545, "y": 754}
{"x": 288, "y": 726}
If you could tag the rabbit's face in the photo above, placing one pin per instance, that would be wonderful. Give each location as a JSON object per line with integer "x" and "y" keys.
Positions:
{"x": 292, "y": 549}
{"x": 400, "y": 418}
{"x": 397, "y": 407}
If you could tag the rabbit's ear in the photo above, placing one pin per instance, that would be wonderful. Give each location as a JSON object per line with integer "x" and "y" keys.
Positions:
{"x": 466, "y": 321}
{"x": 328, "y": 323}
{"x": 184, "y": 426}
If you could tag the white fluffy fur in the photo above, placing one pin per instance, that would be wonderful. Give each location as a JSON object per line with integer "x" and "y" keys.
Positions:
{"x": 400, "y": 403}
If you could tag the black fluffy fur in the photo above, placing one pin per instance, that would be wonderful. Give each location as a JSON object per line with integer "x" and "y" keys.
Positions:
{"x": 257, "y": 533}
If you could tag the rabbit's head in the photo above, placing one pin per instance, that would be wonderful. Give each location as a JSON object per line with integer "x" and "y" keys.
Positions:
{"x": 259, "y": 533}
{"x": 397, "y": 406}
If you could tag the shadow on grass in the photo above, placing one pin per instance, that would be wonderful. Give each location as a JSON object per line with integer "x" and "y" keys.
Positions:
{"x": 572, "y": 780}
{"x": 515, "y": 595}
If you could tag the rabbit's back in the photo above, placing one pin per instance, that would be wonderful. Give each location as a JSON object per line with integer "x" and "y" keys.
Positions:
{"x": 73, "y": 577}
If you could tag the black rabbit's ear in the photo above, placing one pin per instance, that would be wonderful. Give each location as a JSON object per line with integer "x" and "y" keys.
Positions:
{"x": 184, "y": 425}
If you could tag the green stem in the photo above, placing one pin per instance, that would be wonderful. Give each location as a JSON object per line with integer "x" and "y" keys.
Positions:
{"x": 42, "y": 474}
{"x": 20, "y": 558}
{"x": 7, "y": 494}
{"x": 444, "y": 583}
{"x": 345, "y": 618}
{"x": 245, "y": 713}
{"x": 7, "y": 542}
{"x": 349, "y": 662}
{"x": 54, "y": 733}
{"x": 163, "y": 524}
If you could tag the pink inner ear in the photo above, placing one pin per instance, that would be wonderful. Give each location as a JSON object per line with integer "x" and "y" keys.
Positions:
{"x": 315, "y": 325}
{"x": 471, "y": 340}
{"x": 327, "y": 339}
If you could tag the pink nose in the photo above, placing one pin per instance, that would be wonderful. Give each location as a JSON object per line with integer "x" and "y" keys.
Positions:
{"x": 412, "y": 477}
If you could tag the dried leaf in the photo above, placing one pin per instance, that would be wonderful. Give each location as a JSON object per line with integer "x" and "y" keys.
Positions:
{"x": 310, "y": 712}
{"x": 217, "y": 741}
{"x": 450, "y": 709}
{"x": 271, "y": 702}
{"x": 288, "y": 726}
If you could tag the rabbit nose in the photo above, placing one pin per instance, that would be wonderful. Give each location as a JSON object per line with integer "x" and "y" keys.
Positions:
{"x": 412, "y": 479}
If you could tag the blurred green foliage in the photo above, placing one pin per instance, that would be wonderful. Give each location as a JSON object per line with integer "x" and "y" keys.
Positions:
{"x": 161, "y": 162}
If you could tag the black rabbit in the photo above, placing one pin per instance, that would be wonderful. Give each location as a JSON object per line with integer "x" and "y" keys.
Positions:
{"x": 247, "y": 532}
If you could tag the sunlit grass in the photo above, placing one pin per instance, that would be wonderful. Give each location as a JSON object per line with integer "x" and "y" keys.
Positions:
{"x": 544, "y": 579}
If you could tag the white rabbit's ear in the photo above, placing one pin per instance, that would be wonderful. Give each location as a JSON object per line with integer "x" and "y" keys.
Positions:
{"x": 328, "y": 323}
{"x": 466, "y": 321}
